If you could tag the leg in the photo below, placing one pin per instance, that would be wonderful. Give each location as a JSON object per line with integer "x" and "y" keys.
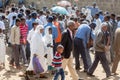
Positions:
{"x": 76, "y": 53}
{"x": 62, "y": 74}
{"x": 94, "y": 65}
{"x": 104, "y": 63}
{"x": 73, "y": 72}
{"x": 23, "y": 53}
{"x": 16, "y": 55}
{"x": 83, "y": 55}
{"x": 115, "y": 63}
{"x": 56, "y": 75}
{"x": 64, "y": 63}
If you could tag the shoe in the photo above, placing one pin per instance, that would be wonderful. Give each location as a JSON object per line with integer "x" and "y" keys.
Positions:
{"x": 78, "y": 69}
{"x": 26, "y": 65}
{"x": 109, "y": 77}
{"x": 18, "y": 67}
{"x": 80, "y": 79}
{"x": 85, "y": 71}
{"x": 43, "y": 76}
{"x": 12, "y": 64}
{"x": 91, "y": 75}
{"x": 115, "y": 74}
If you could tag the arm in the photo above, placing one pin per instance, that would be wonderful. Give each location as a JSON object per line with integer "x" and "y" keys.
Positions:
{"x": 98, "y": 41}
{"x": 12, "y": 37}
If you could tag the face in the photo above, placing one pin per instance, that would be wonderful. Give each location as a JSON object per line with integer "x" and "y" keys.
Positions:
{"x": 41, "y": 30}
{"x": 60, "y": 50}
{"x": 23, "y": 22}
{"x": 105, "y": 28}
{"x": 18, "y": 23}
{"x": 50, "y": 31}
{"x": 72, "y": 27}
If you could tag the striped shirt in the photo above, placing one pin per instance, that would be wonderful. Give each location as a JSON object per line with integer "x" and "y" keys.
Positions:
{"x": 57, "y": 60}
{"x": 23, "y": 32}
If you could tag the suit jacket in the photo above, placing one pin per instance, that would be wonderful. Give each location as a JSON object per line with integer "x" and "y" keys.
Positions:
{"x": 67, "y": 43}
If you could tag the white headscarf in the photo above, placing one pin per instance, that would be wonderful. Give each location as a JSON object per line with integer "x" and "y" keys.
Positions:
{"x": 38, "y": 28}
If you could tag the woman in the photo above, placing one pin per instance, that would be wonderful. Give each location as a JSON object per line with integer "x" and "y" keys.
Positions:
{"x": 38, "y": 47}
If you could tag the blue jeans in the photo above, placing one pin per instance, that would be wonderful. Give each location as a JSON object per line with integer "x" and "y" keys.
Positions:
{"x": 59, "y": 72}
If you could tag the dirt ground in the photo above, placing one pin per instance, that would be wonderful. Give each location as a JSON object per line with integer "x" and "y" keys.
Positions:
{"x": 10, "y": 73}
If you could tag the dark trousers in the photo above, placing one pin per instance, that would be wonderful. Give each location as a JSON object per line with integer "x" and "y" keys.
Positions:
{"x": 59, "y": 72}
{"x": 100, "y": 56}
{"x": 28, "y": 51}
{"x": 79, "y": 49}
{"x": 15, "y": 55}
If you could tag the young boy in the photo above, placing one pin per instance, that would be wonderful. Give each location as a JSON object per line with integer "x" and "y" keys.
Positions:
{"x": 57, "y": 63}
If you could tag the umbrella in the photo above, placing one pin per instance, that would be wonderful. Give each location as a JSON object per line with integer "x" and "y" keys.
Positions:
{"x": 60, "y": 10}
{"x": 64, "y": 3}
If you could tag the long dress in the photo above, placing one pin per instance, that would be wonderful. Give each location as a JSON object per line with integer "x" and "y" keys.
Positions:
{"x": 38, "y": 47}
{"x": 48, "y": 41}
{"x": 29, "y": 38}
{"x": 2, "y": 48}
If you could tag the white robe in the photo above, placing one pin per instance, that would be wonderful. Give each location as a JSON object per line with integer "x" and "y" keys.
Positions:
{"x": 49, "y": 40}
{"x": 2, "y": 48}
{"x": 38, "y": 47}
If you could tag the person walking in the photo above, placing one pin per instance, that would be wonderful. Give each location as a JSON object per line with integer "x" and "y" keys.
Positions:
{"x": 116, "y": 50}
{"x": 100, "y": 48}
{"x": 67, "y": 42}
{"x": 15, "y": 42}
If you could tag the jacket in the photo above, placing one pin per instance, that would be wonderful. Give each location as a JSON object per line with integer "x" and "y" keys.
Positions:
{"x": 67, "y": 43}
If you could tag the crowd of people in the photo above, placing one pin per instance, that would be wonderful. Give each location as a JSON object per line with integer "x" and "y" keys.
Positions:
{"x": 44, "y": 41}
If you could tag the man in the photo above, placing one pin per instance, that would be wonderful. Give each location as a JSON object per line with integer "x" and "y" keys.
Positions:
{"x": 116, "y": 50}
{"x": 112, "y": 32}
{"x": 15, "y": 41}
{"x": 81, "y": 38}
{"x": 94, "y": 9}
{"x": 100, "y": 49}
{"x": 23, "y": 40}
{"x": 98, "y": 22}
{"x": 67, "y": 42}
{"x": 11, "y": 17}
{"x": 118, "y": 20}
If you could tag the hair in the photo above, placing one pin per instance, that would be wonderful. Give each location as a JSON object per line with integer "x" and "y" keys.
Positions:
{"x": 18, "y": 20}
{"x": 22, "y": 18}
{"x": 113, "y": 15}
{"x": 0, "y": 30}
{"x": 70, "y": 22}
{"x": 60, "y": 46}
{"x": 97, "y": 15}
{"x": 34, "y": 23}
{"x": 13, "y": 9}
{"x": 104, "y": 24}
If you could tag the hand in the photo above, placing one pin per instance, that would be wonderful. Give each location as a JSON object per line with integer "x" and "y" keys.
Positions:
{"x": 106, "y": 48}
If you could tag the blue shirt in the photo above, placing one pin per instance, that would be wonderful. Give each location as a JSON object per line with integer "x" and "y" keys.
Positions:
{"x": 54, "y": 30}
{"x": 83, "y": 33}
{"x": 29, "y": 23}
{"x": 94, "y": 10}
{"x": 1, "y": 3}
{"x": 101, "y": 18}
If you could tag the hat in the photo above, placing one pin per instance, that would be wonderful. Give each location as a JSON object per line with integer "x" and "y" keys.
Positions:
{"x": 50, "y": 18}
{"x": 34, "y": 14}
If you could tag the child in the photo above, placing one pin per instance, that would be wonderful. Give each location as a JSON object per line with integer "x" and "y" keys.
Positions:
{"x": 57, "y": 63}
{"x": 49, "y": 44}
{"x": 2, "y": 48}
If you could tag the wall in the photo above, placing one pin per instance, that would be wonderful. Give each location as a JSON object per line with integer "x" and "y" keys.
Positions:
{"x": 105, "y": 5}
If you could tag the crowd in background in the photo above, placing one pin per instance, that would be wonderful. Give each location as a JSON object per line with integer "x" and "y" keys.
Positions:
{"x": 42, "y": 39}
